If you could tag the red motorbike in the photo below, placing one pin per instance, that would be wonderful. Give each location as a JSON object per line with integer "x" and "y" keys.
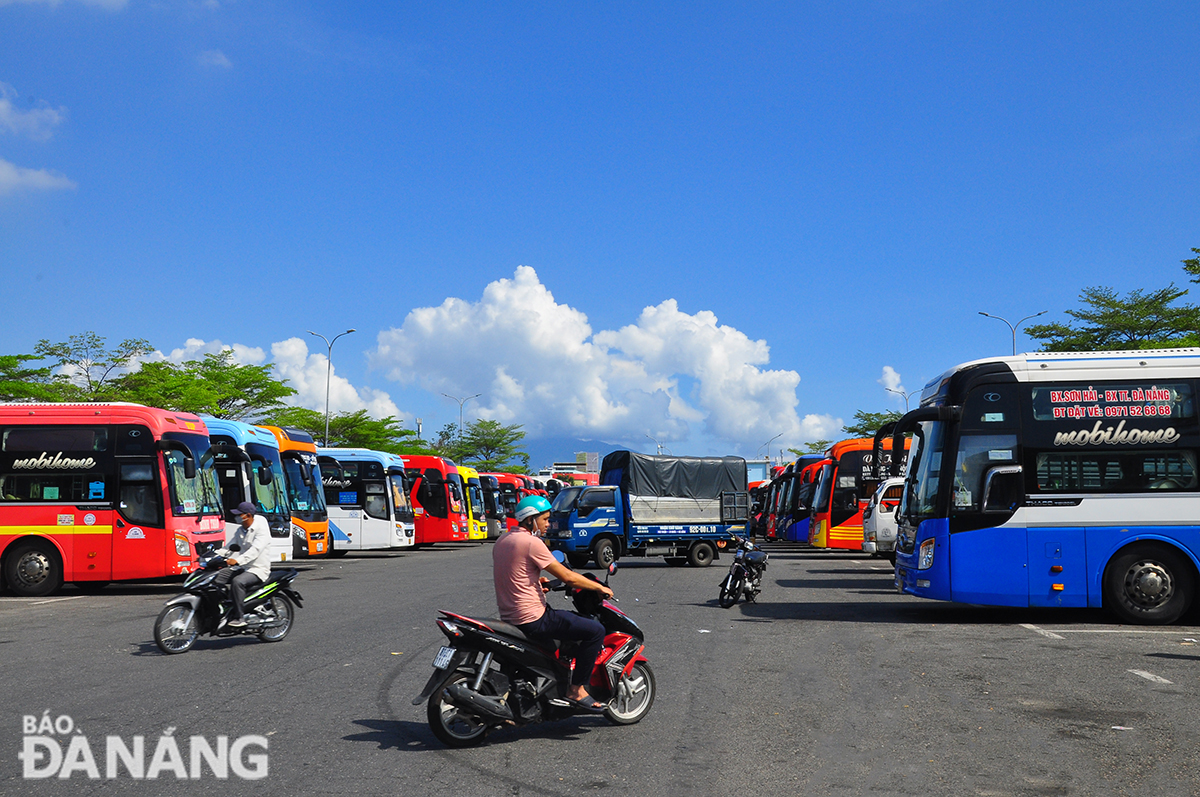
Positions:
{"x": 490, "y": 674}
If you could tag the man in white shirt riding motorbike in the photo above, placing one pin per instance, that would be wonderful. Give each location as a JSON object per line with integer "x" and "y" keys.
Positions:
{"x": 253, "y": 553}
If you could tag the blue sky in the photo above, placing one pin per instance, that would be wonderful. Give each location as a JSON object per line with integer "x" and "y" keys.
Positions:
{"x": 706, "y": 223}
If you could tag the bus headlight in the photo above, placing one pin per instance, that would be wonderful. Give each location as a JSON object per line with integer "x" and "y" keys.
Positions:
{"x": 181, "y": 546}
{"x": 925, "y": 558}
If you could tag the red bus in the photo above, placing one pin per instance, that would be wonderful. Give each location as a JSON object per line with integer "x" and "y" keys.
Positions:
{"x": 511, "y": 486}
{"x": 437, "y": 493}
{"x": 93, "y": 493}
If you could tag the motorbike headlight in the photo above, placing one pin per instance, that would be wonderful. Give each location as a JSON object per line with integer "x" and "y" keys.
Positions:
{"x": 925, "y": 559}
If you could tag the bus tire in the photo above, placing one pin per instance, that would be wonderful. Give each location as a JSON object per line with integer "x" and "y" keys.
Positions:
{"x": 33, "y": 568}
{"x": 1149, "y": 584}
{"x": 701, "y": 554}
{"x": 603, "y": 553}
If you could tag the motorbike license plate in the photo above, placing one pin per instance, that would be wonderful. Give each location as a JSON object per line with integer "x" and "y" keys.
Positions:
{"x": 442, "y": 660}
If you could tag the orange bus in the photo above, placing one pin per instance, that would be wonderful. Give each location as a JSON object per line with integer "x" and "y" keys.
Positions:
{"x": 306, "y": 491}
{"x": 845, "y": 484}
{"x": 93, "y": 493}
{"x": 437, "y": 493}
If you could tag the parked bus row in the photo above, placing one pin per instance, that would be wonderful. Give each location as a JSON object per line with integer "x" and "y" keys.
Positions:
{"x": 94, "y": 493}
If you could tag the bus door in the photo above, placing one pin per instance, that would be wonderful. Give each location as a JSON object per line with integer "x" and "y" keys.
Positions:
{"x": 402, "y": 508}
{"x": 139, "y": 519}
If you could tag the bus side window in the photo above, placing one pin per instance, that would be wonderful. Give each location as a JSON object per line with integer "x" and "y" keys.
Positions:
{"x": 141, "y": 499}
{"x": 375, "y": 501}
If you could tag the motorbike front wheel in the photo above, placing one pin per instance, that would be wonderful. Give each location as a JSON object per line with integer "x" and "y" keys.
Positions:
{"x": 285, "y": 617}
{"x": 634, "y": 696}
{"x": 731, "y": 590}
{"x": 171, "y": 634}
{"x": 450, "y": 724}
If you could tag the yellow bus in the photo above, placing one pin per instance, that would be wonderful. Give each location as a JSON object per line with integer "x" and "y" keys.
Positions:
{"x": 473, "y": 493}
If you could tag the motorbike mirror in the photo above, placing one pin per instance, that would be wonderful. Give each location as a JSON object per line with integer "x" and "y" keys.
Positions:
{"x": 559, "y": 557}
{"x": 612, "y": 568}
{"x": 235, "y": 548}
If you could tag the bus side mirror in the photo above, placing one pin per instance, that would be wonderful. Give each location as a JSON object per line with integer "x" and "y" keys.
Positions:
{"x": 265, "y": 476}
{"x": 1003, "y": 489}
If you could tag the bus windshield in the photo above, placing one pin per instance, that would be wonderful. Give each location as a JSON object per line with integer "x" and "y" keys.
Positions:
{"x": 199, "y": 495}
{"x": 271, "y": 498}
{"x": 303, "y": 497}
{"x": 924, "y": 472}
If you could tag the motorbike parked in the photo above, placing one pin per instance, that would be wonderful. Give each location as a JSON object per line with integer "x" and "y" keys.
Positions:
{"x": 203, "y": 608}
{"x": 745, "y": 574}
{"x": 491, "y": 674}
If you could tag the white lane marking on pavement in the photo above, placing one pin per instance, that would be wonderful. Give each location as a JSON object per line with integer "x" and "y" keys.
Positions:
{"x": 58, "y": 600}
{"x": 1149, "y": 676}
{"x": 885, "y": 569}
{"x": 1042, "y": 631}
{"x": 1113, "y": 631}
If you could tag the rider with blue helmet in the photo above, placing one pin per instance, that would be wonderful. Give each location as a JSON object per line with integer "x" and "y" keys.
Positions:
{"x": 518, "y": 559}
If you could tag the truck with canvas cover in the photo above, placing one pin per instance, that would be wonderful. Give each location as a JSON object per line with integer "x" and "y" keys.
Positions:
{"x": 685, "y": 509}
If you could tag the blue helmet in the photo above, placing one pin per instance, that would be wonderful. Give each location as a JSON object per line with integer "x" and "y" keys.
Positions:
{"x": 531, "y": 506}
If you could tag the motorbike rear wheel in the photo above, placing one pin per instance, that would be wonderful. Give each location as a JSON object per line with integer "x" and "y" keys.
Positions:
{"x": 285, "y": 615}
{"x": 731, "y": 590}
{"x": 634, "y": 696}
{"x": 451, "y": 724}
{"x": 170, "y": 634}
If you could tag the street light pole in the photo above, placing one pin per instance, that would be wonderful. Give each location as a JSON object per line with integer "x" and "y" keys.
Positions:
{"x": 461, "y": 402}
{"x": 328, "y": 372}
{"x": 767, "y": 445}
{"x": 1014, "y": 328}
{"x": 905, "y": 393}
{"x": 658, "y": 444}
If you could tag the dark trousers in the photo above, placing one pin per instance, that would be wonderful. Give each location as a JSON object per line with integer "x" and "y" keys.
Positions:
{"x": 239, "y": 585}
{"x": 568, "y": 626}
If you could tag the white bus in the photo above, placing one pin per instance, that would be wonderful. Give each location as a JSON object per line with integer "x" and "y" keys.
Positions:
{"x": 367, "y": 495}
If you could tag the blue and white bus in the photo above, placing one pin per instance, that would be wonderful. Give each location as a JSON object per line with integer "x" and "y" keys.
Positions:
{"x": 1056, "y": 479}
{"x": 248, "y": 467}
{"x": 367, "y": 494}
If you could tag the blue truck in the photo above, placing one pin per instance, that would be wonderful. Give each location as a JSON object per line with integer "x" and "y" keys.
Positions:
{"x": 686, "y": 509}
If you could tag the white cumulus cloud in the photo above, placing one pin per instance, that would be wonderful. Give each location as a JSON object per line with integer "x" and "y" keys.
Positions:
{"x": 35, "y": 123}
{"x": 892, "y": 384}
{"x": 214, "y": 58}
{"x": 539, "y": 363}
{"x": 15, "y": 178}
{"x": 306, "y": 373}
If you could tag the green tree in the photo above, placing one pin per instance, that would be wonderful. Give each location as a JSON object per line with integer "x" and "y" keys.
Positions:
{"x": 87, "y": 364}
{"x": 868, "y": 423}
{"x": 489, "y": 445}
{"x": 214, "y": 385}
{"x": 352, "y": 430}
{"x": 19, "y": 383}
{"x": 1107, "y": 321}
{"x": 1192, "y": 265}
{"x": 815, "y": 447}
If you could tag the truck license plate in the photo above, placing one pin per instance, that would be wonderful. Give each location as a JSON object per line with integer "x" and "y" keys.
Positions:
{"x": 442, "y": 660}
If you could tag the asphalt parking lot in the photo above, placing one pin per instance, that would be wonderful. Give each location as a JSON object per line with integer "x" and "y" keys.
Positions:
{"x": 830, "y": 684}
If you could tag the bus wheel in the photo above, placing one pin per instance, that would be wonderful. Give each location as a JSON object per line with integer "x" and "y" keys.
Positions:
{"x": 1148, "y": 585}
{"x": 603, "y": 554}
{"x": 701, "y": 554}
{"x": 33, "y": 569}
